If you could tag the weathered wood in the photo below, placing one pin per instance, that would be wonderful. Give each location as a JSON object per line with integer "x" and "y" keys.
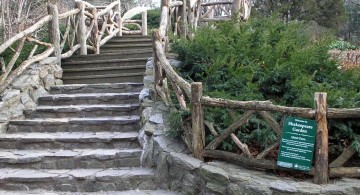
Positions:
{"x": 108, "y": 8}
{"x": 82, "y": 27}
{"x": 161, "y": 92}
{"x": 164, "y": 18}
{"x": 118, "y": 18}
{"x": 69, "y": 13}
{"x": 3, "y": 65}
{"x": 272, "y": 122}
{"x": 33, "y": 51}
{"x": 343, "y": 158}
{"x": 170, "y": 72}
{"x": 54, "y": 31}
{"x": 133, "y": 21}
{"x": 322, "y": 145}
{"x": 211, "y": 128}
{"x": 210, "y": 10}
{"x": 342, "y": 113}
{"x": 30, "y": 39}
{"x": 23, "y": 66}
{"x": 245, "y": 161}
{"x": 88, "y": 4}
{"x": 197, "y": 14}
{"x": 216, "y": 3}
{"x": 158, "y": 72}
{"x": 265, "y": 152}
{"x": 175, "y": 3}
{"x": 231, "y": 129}
{"x": 107, "y": 38}
{"x": 243, "y": 147}
{"x": 95, "y": 31}
{"x": 179, "y": 95}
{"x": 103, "y": 28}
{"x": 345, "y": 172}
{"x": 70, "y": 52}
{"x": 22, "y": 34}
{"x": 183, "y": 23}
{"x": 197, "y": 118}
{"x": 88, "y": 14}
{"x": 144, "y": 23}
{"x": 66, "y": 34}
{"x": 12, "y": 62}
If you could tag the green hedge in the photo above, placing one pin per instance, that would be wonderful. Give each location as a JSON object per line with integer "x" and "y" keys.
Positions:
{"x": 265, "y": 59}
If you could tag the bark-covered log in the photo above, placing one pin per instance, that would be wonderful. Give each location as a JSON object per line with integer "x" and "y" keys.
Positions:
{"x": 345, "y": 172}
{"x": 322, "y": 143}
{"x": 179, "y": 95}
{"x": 107, "y": 38}
{"x": 175, "y": 3}
{"x": 217, "y": 19}
{"x": 69, "y": 13}
{"x": 108, "y": 8}
{"x": 54, "y": 31}
{"x": 217, "y": 141}
{"x": 118, "y": 18}
{"x": 12, "y": 62}
{"x": 343, "y": 158}
{"x": 81, "y": 32}
{"x": 197, "y": 118}
{"x": 70, "y": 52}
{"x": 265, "y": 152}
{"x": 243, "y": 147}
{"x": 211, "y": 128}
{"x": 95, "y": 31}
{"x": 170, "y": 72}
{"x": 144, "y": 23}
{"x": 272, "y": 122}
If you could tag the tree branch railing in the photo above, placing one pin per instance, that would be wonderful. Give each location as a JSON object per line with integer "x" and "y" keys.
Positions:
{"x": 86, "y": 28}
{"x": 194, "y": 129}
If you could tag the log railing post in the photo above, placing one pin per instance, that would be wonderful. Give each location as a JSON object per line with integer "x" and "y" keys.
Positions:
{"x": 95, "y": 31}
{"x": 54, "y": 31}
{"x": 322, "y": 146}
{"x": 144, "y": 23}
{"x": 197, "y": 118}
{"x": 183, "y": 25}
{"x": 82, "y": 27}
{"x": 118, "y": 19}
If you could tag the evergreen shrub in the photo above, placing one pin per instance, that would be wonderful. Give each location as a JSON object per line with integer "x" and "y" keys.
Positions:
{"x": 265, "y": 59}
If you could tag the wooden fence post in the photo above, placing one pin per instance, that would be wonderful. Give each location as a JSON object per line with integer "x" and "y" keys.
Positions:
{"x": 95, "y": 31}
{"x": 183, "y": 25}
{"x": 322, "y": 146}
{"x": 197, "y": 118}
{"x": 118, "y": 19}
{"x": 144, "y": 23}
{"x": 54, "y": 31}
{"x": 82, "y": 27}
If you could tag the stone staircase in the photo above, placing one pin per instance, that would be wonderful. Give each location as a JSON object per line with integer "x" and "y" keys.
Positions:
{"x": 83, "y": 137}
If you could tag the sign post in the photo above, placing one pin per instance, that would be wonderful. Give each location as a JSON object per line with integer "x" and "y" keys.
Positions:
{"x": 297, "y": 144}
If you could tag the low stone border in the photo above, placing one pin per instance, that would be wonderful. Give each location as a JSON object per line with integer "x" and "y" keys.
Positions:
{"x": 182, "y": 173}
{"x": 25, "y": 90}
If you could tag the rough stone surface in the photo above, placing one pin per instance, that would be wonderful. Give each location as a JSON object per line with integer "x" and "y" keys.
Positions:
{"x": 157, "y": 118}
{"x": 25, "y": 90}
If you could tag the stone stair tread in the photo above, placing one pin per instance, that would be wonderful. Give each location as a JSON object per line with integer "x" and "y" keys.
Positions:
{"x": 104, "y": 76}
{"x": 92, "y": 120}
{"x": 86, "y": 95}
{"x": 65, "y": 88}
{"x": 74, "y": 108}
{"x": 48, "y": 175}
{"x": 104, "y": 68}
{"x": 129, "y": 192}
{"x": 31, "y": 156}
{"x": 127, "y": 45}
{"x": 129, "y": 40}
{"x": 102, "y": 61}
{"x": 69, "y": 136}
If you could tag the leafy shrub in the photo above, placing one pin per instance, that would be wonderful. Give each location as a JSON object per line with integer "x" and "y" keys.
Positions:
{"x": 265, "y": 59}
{"x": 342, "y": 45}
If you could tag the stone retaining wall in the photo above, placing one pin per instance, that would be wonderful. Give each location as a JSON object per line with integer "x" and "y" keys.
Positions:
{"x": 187, "y": 175}
{"x": 24, "y": 91}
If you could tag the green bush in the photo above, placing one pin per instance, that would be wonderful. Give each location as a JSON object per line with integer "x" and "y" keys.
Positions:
{"x": 342, "y": 45}
{"x": 265, "y": 59}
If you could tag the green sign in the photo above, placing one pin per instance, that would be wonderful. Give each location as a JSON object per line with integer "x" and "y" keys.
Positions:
{"x": 297, "y": 144}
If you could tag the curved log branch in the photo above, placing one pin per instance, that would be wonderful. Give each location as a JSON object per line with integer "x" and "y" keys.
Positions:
{"x": 69, "y": 13}
{"x": 108, "y": 8}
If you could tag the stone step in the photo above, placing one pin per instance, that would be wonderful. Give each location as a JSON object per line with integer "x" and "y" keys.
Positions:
{"x": 88, "y": 98}
{"x": 97, "y": 88}
{"x": 127, "y": 41}
{"x": 125, "y": 47}
{"x": 78, "y": 180}
{"x": 132, "y": 37}
{"x": 82, "y": 111}
{"x": 128, "y": 192}
{"x": 145, "y": 53}
{"x": 70, "y": 140}
{"x": 70, "y": 159}
{"x": 104, "y": 63}
{"x": 106, "y": 78}
{"x": 97, "y": 124}
{"x": 104, "y": 70}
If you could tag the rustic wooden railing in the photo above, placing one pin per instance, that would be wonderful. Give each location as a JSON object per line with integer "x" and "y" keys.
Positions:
{"x": 86, "y": 29}
{"x": 194, "y": 134}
